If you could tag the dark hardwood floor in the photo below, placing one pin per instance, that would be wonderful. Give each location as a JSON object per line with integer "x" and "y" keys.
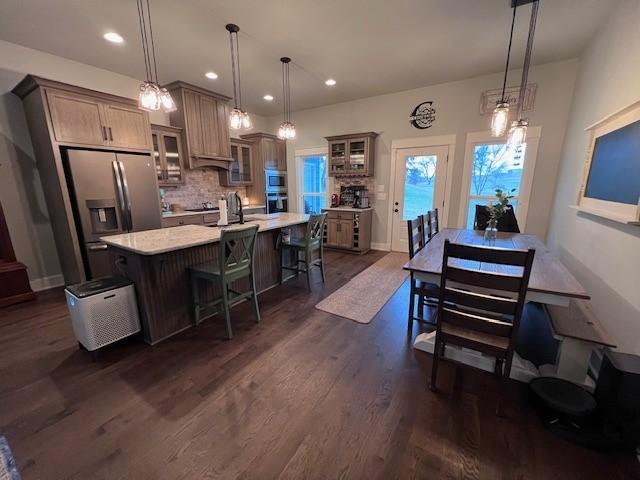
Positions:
{"x": 302, "y": 395}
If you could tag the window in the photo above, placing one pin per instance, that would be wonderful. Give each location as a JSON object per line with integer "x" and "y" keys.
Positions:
{"x": 494, "y": 167}
{"x": 313, "y": 171}
{"x": 419, "y": 185}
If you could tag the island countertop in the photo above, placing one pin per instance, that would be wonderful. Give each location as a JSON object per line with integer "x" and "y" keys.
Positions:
{"x": 162, "y": 240}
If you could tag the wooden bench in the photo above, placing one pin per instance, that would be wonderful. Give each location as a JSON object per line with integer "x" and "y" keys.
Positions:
{"x": 579, "y": 331}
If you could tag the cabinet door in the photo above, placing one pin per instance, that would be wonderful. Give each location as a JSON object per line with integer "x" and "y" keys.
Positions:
{"x": 246, "y": 164}
{"x": 270, "y": 153}
{"x": 172, "y": 153}
{"x": 338, "y": 157}
{"x": 281, "y": 154}
{"x": 193, "y": 122}
{"x": 210, "y": 127}
{"x": 357, "y": 155}
{"x": 76, "y": 119}
{"x": 346, "y": 233}
{"x": 158, "y": 157}
{"x": 224, "y": 139}
{"x": 333, "y": 232}
{"x": 128, "y": 127}
{"x": 234, "y": 174}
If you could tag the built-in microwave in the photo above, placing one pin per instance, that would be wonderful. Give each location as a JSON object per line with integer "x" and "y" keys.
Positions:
{"x": 275, "y": 180}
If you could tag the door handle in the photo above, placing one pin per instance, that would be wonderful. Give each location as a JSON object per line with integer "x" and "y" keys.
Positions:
{"x": 396, "y": 204}
{"x": 104, "y": 133}
{"x": 127, "y": 195}
{"x": 120, "y": 192}
{"x": 395, "y": 210}
{"x": 110, "y": 134}
{"x": 95, "y": 248}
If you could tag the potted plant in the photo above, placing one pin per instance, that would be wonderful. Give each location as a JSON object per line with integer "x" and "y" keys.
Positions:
{"x": 496, "y": 210}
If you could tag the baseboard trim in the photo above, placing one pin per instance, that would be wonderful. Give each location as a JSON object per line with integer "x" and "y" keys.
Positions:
{"x": 45, "y": 283}
{"x": 385, "y": 247}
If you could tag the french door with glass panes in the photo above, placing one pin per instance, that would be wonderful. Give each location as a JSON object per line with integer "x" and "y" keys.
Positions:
{"x": 420, "y": 178}
{"x": 490, "y": 165}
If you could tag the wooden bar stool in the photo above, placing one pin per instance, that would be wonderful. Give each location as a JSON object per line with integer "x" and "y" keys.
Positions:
{"x": 310, "y": 246}
{"x": 235, "y": 262}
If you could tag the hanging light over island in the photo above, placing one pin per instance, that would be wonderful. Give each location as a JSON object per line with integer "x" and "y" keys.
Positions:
{"x": 287, "y": 129}
{"x": 151, "y": 96}
{"x": 518, "y": 130}
{"x": 500, "y": 118}
{"x": 238, "y": 118}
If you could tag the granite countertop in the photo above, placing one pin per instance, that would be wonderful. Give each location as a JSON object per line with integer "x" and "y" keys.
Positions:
{"x": 162, "y": 240}
{"x": 348, "y": 209}
{"x": 185, "y": 213}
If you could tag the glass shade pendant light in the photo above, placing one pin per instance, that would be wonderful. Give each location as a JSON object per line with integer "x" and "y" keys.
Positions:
{"x": 287, "y": 129}
{"x": 499, "y": 120}
{"x": 238, "y": 118}
{"x": 151, "y": 97}
{"x": 518, "y": 130}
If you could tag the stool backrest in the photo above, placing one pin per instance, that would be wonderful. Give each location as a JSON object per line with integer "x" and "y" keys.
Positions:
{"x": 236, "y": 249}
{"x": 415, "y": 235}
{"x": 484, "y": 301}
{"x": 315, "y": 227}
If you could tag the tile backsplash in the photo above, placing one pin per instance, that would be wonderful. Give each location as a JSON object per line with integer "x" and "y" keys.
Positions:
{"x": 201, "y": 185}
{"x": 369, "y": 182}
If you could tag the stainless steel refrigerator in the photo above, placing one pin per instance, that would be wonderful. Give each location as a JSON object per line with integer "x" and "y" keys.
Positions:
{"x": 111, "y": 193}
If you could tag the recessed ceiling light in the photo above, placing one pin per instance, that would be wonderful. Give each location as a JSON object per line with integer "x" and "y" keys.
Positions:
{"x": 268, "y": 98}
{"x": 211, "y": 75}
{"x": 331, "y": 82}
{"x": 113, "y": 37}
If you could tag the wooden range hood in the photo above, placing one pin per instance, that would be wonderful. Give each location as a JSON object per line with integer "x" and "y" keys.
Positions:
{"x": 203, "y": 116}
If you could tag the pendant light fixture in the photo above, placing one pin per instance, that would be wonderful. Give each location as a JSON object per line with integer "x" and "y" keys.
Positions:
{"x": 151, "y": 97}
{"x": 518, "y": 130}
{"x": 501, "y": 112}
{"x": 238, "y": 118}
{"x": 287, "y": 129}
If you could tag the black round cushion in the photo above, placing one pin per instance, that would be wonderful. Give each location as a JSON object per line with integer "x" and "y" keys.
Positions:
{"x": 563, "y": 396}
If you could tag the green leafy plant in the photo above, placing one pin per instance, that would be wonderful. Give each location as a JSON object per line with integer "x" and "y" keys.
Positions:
{"x": 498, "y": 208}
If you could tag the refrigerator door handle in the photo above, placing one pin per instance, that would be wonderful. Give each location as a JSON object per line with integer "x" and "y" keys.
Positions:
{"x": 127, "y": 196}
{"x": 120, "y": 192}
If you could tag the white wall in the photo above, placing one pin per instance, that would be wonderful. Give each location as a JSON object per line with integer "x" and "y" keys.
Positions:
{"x": 604, "y": 256}
{"x": 20, "y": 189}
{"x": 457, "y": 107}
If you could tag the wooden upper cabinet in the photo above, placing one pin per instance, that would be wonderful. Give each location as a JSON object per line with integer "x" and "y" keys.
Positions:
{"x": 352, "y": 155}
{"x": 76, "y": 118}
{"x": 281, "y": 154}
{"x": 203, "y": 116}
{"x": 127, "y": 127}
{"x": 241, "y": 168}
{"x": 270, "y": 153}
{"x": 88, "y": 119}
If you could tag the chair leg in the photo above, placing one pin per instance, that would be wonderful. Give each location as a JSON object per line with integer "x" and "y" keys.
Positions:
{"x": 500, "y": 371}
{"x": 225, "y": 305}
{"x": 307, "y": 258}
{"x": 255, "y": 297}
{"x": 195, "y": 297}
{"x": 421, "y": 307}
{"x": 434, "y": 366}
{"x": 411, "y": 304}
{"x": 322, "y": 262}
{"x": 281, "y": 275}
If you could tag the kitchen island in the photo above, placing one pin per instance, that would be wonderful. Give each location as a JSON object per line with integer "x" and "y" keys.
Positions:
{"x": 157, "y": 261}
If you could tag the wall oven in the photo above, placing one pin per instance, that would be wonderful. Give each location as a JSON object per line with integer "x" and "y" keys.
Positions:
{"x": 275, "y": 181}
{"x": 277, "y": 202}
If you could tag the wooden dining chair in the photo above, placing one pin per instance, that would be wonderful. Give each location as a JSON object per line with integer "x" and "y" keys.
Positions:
{"x": 506, "y": 223}
{"x": 423, "y": 290}
{"x": 431, "y": 225}
{"x": 481, "y": 309}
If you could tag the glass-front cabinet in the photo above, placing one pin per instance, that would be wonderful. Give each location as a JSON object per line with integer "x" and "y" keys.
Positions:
{"x": 239, "y": 172}
{"x": 167, "y": 153}
{"x": 352, "y": 155}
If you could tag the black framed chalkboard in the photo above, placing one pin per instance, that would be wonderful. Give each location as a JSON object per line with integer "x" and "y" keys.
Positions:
{"x": 614, "y": 174}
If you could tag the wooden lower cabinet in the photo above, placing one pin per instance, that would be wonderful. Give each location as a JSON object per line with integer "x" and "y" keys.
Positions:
{"x": 348, "y": 230}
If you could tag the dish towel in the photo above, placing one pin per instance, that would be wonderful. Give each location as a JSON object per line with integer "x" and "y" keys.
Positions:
{"x": 8, "y": 468}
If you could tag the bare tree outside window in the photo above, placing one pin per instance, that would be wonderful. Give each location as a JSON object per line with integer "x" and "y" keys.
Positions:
{"x": 488, "y": 165}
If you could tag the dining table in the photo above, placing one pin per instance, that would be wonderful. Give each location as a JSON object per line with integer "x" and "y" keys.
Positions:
{"x": 550, "y": 283}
